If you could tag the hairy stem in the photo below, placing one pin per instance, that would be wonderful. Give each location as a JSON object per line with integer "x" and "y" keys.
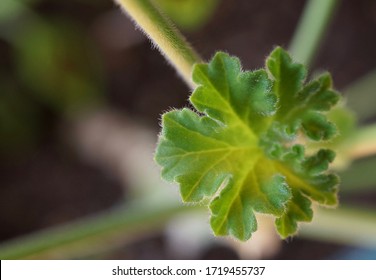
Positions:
{"x": 311, "y": 29}
{"x": 164, "y": 36}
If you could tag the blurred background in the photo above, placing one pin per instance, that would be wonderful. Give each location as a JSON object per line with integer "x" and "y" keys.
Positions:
{"x": 81, "y": 94}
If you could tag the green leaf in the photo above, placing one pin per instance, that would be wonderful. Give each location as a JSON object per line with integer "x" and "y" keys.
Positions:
{"x": 345, "y": 122}
{"x": 299, "y": 105}
{"x": 58, "y": 65}
{"x": 299, "y": 209}
{"x": 237, "y": 154}
{"x": 188, "y": 14}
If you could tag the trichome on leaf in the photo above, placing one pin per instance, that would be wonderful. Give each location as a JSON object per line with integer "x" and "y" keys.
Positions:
{"x": 239, "y": 154}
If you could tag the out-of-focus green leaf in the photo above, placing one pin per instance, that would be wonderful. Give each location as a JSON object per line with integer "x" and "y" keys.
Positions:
{"x": 19, "y": 120}
{"x": 12, "y": 8}
{"x": 188, "y": 14}
{"x": 59, "y": 65}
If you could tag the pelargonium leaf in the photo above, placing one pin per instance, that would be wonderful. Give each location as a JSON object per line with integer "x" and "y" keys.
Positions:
{"x": 299, "y": 104}
{"x": 237, "y": 152}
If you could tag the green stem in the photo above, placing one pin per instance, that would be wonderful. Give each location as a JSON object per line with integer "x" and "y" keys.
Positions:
{"x": 128, "y": 221}
{"x": 363, "y": 143}
{"x": 125, "y": 223}
{"x": 311, "y": 29}
{"x": 344, "y": 226}
{"x": 360, "y": 147}
{"x": 164, "y": 35}
{"x": 360, "y": 176}
{"x": 361, "y": 96}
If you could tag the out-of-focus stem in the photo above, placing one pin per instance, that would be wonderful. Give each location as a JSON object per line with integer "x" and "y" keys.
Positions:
{"x": 311, "y": 29}
{"x": 360, "y": 176}
{"x": 363, "y": 144}
{"x": 356, "y": 227}
{"x": 130, "y": 221}
{"x": 361, "y": 96}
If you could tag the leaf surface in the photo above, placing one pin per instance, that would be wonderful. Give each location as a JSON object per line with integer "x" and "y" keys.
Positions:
{"x": 237, "y": 154}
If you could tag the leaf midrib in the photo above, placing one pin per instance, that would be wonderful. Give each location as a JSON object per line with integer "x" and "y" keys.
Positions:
{"x": 239, "y": 188}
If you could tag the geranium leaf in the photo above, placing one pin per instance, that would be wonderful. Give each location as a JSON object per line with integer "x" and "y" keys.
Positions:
{"x": 236, "y": 153}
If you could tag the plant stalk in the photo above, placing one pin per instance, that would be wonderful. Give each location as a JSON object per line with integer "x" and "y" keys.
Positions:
{"x": 347, "y": 226}
{"x": 311, "y": 29}
{"x": 363, "y": 143}
{"x": 328, "y": 225}
{"x": 360, "y": 176}
{"x": 128, "y": 221}
{"x": 163, "y": 35}
{"x": 361, "y": 96}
